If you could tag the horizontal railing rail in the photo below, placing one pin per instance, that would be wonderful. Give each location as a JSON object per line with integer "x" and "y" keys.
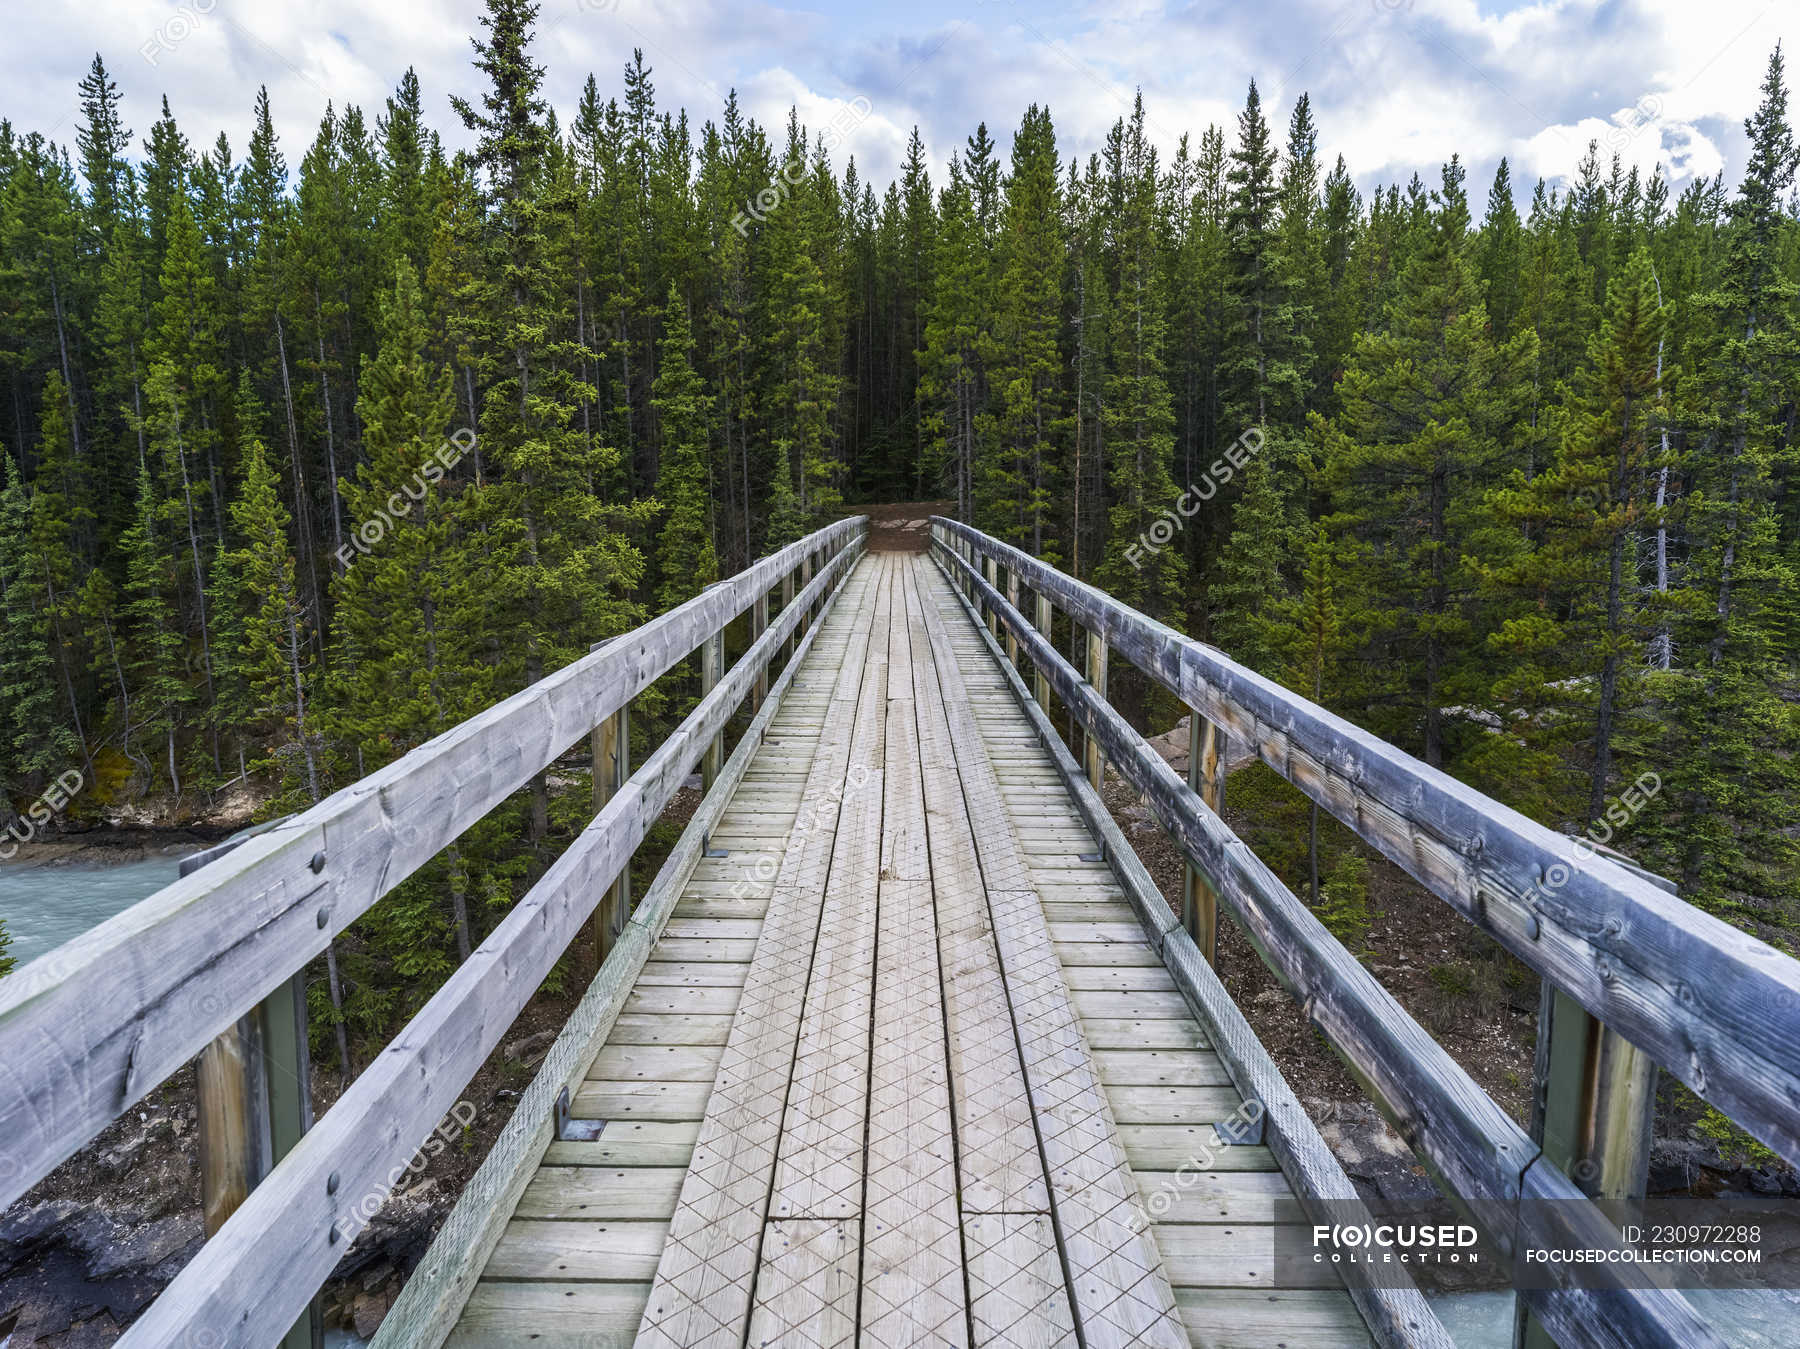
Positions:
{"x": 1711, "y": 1004}
{"x": 440, "y": 1285}
{"x": 263, "y": 1267}
{"x": 87, "y": 1029}
{"x": 1393, "y": 1307}
{"x": 1486, "y": 1161}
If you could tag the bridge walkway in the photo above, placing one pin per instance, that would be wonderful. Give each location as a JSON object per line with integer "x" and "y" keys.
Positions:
{"x": 903, "y": 1068}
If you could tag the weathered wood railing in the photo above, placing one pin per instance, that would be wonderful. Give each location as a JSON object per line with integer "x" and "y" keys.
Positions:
{"x": 87, "y": 1030}
{"x": 1711, "y": 1004}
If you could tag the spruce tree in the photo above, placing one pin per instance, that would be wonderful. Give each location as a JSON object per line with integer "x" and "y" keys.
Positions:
{"x": 1139, "y": 567}
{"x": 1574, "y": 649}
{"x": 685, "y": 552}
{"x": 1433, "y": 409}
{"x": 562, "y": 573}
{"x": 275, "y": 647}
{"x": 153, "y": 663}
{"x": 1015, "y": 478}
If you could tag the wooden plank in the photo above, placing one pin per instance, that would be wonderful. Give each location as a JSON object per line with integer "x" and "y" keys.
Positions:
{"x": 806, "y": 1287}
{"x": 697, "y": 973}
{"x": 1001, "y": 1168}
{"x": 1134, "y": 1033}
{"x": 1017, "y": 1295}
{"x": 503, "y": 1315}
{"x": 1120, "y": 1293}
{"x": 640, "y": 1100}
{"x": 564, "y": 1252}
{"x": 703, "y": 1281}
{"x": 1119, "y": 978}
{"x": 660, "y": 1063}
{"x": 656, "y": 999}
{"x": 1226, "y": 1255}
{"x": 912, "y": 1259}
{"x": 1158, "y": 1067}
{"x": 1200, "y": 1196}
{"x": 88, "y": 1029}
{"x": 912, "y": 1256}
{"x": 819, "y": 1160}
{"x": 1174, "y": 1147}
{"x": 669, "y": 1027}
{"x": 1221, "y": 1318}
{"x": 630, "y": 1143}
{"x": 601, "y": 1194}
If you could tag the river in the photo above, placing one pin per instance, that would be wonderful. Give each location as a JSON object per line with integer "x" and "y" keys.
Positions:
{"x": 45, "y": 905}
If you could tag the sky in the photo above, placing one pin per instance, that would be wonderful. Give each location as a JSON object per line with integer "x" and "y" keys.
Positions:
{"x": 1397, "y": 86}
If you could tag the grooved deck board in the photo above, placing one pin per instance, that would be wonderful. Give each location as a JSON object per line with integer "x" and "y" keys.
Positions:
{"x": 902, "y": 1069}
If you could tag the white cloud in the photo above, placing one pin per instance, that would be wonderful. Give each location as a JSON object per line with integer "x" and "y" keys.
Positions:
{"x": 1397, "y": 85}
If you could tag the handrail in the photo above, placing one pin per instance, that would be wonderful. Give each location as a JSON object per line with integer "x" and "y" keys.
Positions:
{"x": 1487, "y": 1162}
{"x": 87, "y": 1029}
{"x": 1713, "y": 1005}
{"x": 439, "y": 1287}
{"x": 269, "y": 1258}
{"x": 1391, "y": 1304}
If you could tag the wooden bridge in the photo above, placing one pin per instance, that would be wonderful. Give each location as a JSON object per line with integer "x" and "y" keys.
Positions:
{"x": 902, "y": 1046}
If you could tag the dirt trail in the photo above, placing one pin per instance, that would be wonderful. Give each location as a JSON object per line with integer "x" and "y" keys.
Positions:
{"x": 902, "y": 526}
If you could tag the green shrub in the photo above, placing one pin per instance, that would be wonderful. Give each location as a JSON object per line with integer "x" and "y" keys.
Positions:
{"x": 1344, "y": 901}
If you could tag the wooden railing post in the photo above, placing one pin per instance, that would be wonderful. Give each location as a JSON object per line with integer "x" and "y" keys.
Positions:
{"x": 1593, "y": 1110}
{"x": 253, "y": 1103}
{"x": 1096, "y": 675}
{"x": 806, "y": 574}
{"x": 759, "y": 624}
{"x": 611, "y": 745}
{"x": 712, "y": 665}
{"x": 991, "y": 570}
{"x": 787, "y": 602}
{"x": 1206, "y": 775}
{"x": 1040, "y": 680}
{"x": 1012, "y": 598}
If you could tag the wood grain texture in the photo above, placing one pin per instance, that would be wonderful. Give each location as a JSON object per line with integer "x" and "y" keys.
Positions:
{"x": 1116, "y": 1279}
{"x": 1711, "y": 1004}
{"x": 703, "y": 1287}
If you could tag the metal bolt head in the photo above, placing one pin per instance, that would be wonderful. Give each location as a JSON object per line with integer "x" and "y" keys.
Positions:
{"x": 318, "y": 861}
{"x": 324, "y": 918}
{"x": 331, "y": 1183}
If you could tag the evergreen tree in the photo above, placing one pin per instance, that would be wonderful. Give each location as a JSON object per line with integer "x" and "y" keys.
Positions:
{"x": 1432, "y": 410}
{"x": 562, "y": 575}
{"x": 153, "y": 664}
{"x": 38, "y": 738}
{"x": 685, "y": 546}
{"x": 274, "y": 652}
{"x": 1015, "y": 473}
{"x": 1574, "y": 651}
{"x": 1138, "y": 567}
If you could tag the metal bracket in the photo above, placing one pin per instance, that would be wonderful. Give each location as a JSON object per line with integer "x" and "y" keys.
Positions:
{"x": 1239, "y": 1132}
{"x": 574, "y": 1130}
{"x": 707, "y": 849}
{"x": 1099, "y": 856}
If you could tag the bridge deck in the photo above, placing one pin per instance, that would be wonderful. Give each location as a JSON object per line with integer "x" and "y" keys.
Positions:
{"x": 903, "y": 1064}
